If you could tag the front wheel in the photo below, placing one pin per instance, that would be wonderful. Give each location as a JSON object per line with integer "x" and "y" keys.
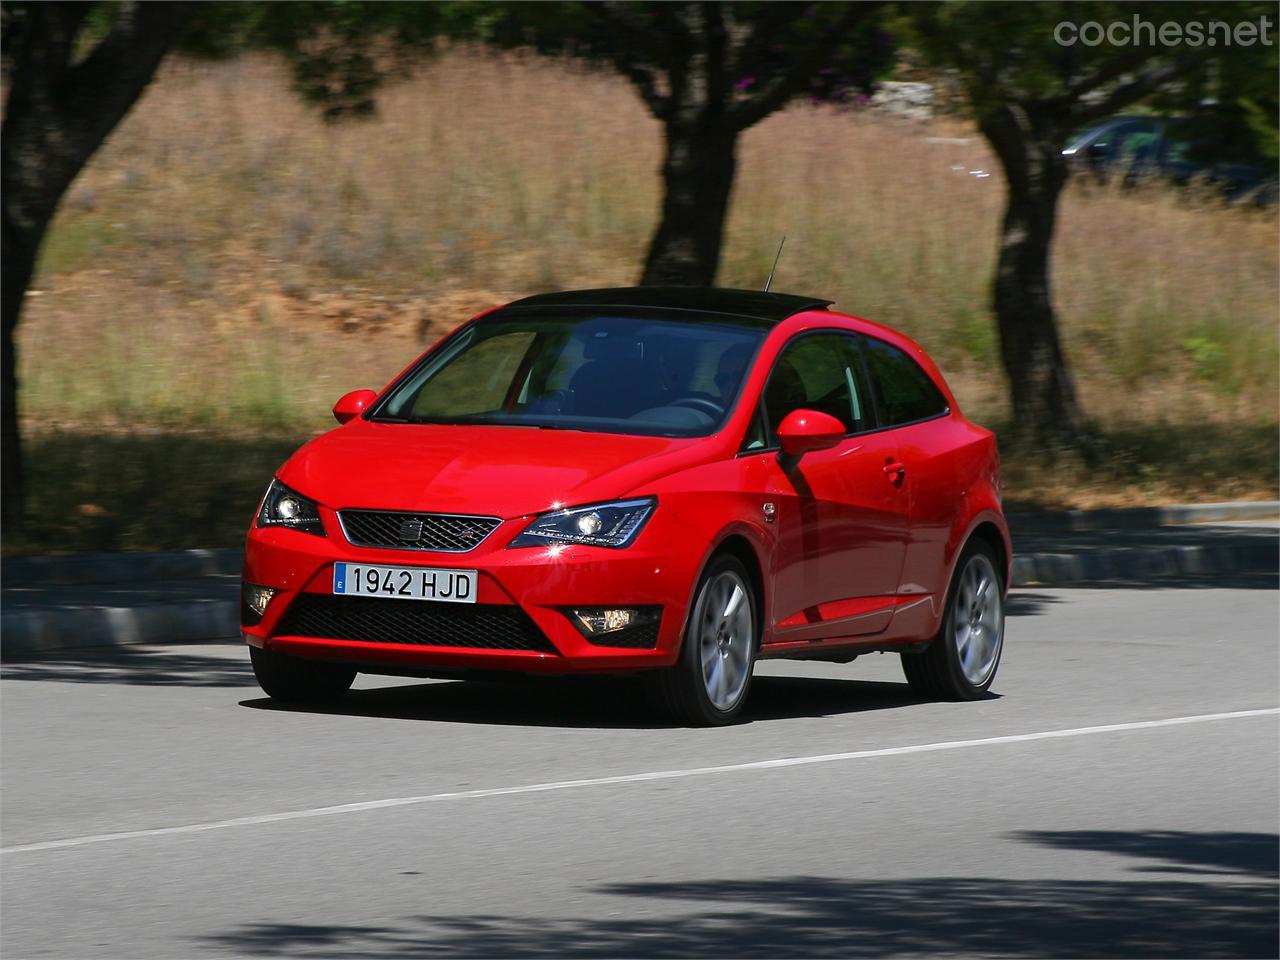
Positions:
{"x": 295, "y": 680}
{"x": 961, "y": 662}
{"x": 708, "y": 685}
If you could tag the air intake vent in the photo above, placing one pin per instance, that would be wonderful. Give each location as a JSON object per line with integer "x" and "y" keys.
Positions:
{"x": 481, "y": 626}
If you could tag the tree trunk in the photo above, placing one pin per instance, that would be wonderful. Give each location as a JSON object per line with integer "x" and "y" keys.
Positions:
{"x": 60, "y": 109}
{"x": 1046, "y": 411}
{"x": 19, "y": 257}
{"x": 697, "y": 177}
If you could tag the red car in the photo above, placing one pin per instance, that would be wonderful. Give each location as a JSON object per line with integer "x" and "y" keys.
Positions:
{"x": 666, "y": 481}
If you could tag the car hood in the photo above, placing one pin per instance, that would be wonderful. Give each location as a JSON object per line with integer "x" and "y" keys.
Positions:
{"x": 490, "y": 470}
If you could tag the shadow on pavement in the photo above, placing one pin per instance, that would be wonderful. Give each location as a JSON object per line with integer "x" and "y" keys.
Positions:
{"x": 1247, "y": 854}
{"x": 826, "y": 917}
{"x": 139, "y": 665}
{"x": 602, "y": 702}
{"x": 1024, "y": 603}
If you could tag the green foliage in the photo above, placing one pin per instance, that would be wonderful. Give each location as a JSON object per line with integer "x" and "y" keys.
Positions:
{"x": 78, "y": 239}
{"x": 827, "y": 54}
{"x": 1008, "y": 52}
{"x": 1207, "y": 355}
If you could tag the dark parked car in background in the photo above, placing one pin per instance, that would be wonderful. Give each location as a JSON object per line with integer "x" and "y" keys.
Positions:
{"x": 1181, "y": 149}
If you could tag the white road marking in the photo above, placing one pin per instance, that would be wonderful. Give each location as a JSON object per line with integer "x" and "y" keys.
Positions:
{"x": 363, "y": 806}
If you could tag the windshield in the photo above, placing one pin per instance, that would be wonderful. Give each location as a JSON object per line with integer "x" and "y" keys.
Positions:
{"x": 636, "y": 374}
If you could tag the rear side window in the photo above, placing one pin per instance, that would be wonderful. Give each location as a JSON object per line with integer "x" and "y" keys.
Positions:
{"x": 904, "y": 391}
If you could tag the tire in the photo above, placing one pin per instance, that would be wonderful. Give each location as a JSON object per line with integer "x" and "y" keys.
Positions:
{"x": 708, "y": 685}
{"x": 295, "y": 680}
{"x": 961, "y": 662}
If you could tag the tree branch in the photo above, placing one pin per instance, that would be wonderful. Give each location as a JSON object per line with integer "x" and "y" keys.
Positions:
{"x": 776, "y": 18}
{"x": 1131, "y": 92}
{"x": 640, "y": 48}
{"x": 124, "y": 61}
{"x": 716, "y": 44}
{"x": 1113, "y": 69}
{"x": 775, "y": 93}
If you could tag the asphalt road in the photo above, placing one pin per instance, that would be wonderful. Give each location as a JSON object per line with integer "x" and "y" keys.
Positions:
{"x": 155, "y": 805}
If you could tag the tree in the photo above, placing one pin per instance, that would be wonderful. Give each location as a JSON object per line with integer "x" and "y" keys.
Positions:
{"x": 76, "y": 69}
{"x": 62, "y": 104}
{"x": 1029, "y": 92}
{"x": 707, "y": 71}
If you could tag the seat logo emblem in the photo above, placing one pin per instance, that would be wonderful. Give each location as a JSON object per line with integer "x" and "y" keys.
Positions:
{"x": 410, "y": 530}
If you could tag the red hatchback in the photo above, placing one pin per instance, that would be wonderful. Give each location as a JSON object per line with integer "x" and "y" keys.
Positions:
{"x": 671, "y": 482}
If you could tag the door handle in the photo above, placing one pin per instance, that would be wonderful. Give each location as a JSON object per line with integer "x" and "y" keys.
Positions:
{"x": 895, "y": 470}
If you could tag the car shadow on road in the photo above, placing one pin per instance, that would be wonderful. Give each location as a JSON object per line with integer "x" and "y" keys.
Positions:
{"x": 806, "y": 916}
{"x": 1024, "y": 603}
{"x": 606, "y": 702}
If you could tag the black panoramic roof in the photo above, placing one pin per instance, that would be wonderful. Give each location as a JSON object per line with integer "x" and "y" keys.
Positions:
{"x": 772, "y": 307}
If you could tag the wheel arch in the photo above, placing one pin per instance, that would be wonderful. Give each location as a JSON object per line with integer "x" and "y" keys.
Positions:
{"x": 988, "y": 532}
{"x": 735, "y": 542}
{"x": 738, "y": 546}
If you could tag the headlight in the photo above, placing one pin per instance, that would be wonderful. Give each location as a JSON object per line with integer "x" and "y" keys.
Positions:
{"x": 282, "y": 507}
{"x": 601, "y": 525}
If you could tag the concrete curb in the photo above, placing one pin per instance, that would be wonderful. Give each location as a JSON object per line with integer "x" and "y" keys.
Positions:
{"x": 1137, "y": 563}
{"x": 33, "y": 632}
{"x": 1133, "y": 518}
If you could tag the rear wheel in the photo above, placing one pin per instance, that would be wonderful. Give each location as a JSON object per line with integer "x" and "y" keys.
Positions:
{"x": 961, "y": 662}
{"x": 708, "y": 684}
{"x": 295, "y": 680}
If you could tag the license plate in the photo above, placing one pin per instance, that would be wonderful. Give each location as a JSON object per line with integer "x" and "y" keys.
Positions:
{"x": 404, "y": 583}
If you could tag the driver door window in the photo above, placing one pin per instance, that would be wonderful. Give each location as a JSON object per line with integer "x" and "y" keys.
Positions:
{"x": 817, "y": 372}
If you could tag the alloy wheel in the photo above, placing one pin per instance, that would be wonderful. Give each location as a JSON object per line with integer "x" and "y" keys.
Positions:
{"x": 726, "y": 638}
{"x": 977, "y": 620}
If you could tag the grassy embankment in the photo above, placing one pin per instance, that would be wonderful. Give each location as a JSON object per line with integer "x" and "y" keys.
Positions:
{"x": 228, "y": 266}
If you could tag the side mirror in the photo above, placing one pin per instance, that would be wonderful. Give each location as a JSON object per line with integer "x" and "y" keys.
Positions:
{"x": 353, "y": 404}
{"x": 805, "y": 430}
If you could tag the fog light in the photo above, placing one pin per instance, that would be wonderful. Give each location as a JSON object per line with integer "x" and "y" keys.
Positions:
{"x": 253, "y": 602}
{"x": 597, "y": 620}
{"x": 634, "y": 627}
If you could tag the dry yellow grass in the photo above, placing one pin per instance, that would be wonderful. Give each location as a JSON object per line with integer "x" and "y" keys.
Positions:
{"x": 229, "y": 263}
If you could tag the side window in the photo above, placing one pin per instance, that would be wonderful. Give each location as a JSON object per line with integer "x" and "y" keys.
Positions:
{"x": 1135, "y": 146}
{"x": 817, "y": 372}
{"x": 905, "y": 392}
{"x": 477, "y": 382}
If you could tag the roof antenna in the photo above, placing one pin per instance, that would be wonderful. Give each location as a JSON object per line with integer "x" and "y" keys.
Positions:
{"x": 768, "y": 283}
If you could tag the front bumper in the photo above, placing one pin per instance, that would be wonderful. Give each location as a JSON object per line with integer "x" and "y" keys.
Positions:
{"x": 539, "y": 582}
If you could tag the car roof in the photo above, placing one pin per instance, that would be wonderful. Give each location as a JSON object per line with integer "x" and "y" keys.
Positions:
{"x": 771, "y": 307}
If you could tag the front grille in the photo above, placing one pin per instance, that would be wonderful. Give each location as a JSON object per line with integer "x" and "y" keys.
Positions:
{"x": 482, "y": 626}
{"x": 446, "y": 532}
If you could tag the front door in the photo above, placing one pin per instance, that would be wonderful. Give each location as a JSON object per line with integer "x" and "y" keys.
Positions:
{"x": 841, "y": 515}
